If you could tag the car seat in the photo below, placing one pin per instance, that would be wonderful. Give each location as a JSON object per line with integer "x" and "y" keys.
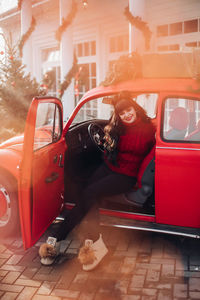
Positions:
{"x": 195, "y": 135}
{"x": 178, "y": 122}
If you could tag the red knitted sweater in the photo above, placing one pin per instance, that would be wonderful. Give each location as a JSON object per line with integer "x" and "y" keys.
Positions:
{"x": 132, "y": 147}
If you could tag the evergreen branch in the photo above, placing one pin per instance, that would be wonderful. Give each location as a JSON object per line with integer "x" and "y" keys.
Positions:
{"x": 26, "y": 36}
{"x": 139, "y": 24}
{"x": 66, "y": 22}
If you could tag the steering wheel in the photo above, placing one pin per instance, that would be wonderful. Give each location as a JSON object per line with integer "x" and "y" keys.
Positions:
{"x": 96, "y": 134}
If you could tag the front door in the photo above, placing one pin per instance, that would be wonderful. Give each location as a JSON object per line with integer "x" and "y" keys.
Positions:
{"x": 41, "y": 170}
{"x": 178, "y": 161}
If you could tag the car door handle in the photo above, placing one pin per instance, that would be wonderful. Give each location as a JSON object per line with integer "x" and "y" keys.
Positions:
{"x": 52, "y": 178}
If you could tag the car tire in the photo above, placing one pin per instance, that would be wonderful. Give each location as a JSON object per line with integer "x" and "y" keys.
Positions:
{"x": 9, "y": 212}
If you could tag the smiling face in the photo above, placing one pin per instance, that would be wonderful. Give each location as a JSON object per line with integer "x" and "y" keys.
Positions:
{"x": 128, "y": 115}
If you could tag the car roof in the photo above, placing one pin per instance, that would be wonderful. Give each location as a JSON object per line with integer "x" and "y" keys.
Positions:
{"x": 146, "y": 85}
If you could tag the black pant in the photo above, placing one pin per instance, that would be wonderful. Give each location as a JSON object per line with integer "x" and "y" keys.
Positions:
{"x": 103, "y": 182}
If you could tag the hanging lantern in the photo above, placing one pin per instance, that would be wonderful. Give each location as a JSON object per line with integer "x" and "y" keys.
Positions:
{"x": 85, "y": 3}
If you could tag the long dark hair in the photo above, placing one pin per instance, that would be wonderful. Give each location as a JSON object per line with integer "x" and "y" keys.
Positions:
{"x": 115, "y": 128}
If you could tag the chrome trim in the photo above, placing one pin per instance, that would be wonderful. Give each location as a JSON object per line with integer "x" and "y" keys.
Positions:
{"x": 177, "y": 148}
{"x": 152, "y": 230}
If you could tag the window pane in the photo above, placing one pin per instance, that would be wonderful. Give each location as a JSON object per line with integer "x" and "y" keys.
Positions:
{"x": 112, "y": 44}
{"x": 93, "y": 48}
{"x": 162, "y": 30}
{"x": 93, "y": 69}
{"x": 86, "y": 49}
{"x": 174, "y": 47}
{"x": 191, "y": 26}
{"x": 181, "y": 120}
{"x": 191, "y": 44}
{"x": 163, "y": 48}
{"x": 80, "y": 49}
{"x": 175, "y": 28}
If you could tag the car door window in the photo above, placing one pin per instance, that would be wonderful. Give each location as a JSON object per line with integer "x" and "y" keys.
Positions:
{"x": 181, "y": 120}
{"x": 48, "y": 125}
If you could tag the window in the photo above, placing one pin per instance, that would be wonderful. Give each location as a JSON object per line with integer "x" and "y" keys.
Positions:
{"x": 119, "y": 43}
{"x": 51, "y": 69}
{"x": 86, "y": 49}
{"x": 191, "y": 26}
{"x": 162, "y": 30}
{"x": 181, "y": 120}
{"x": 48, "y": 125}
{"x": 86, "y": 79}
{"x": 175, "y": 28}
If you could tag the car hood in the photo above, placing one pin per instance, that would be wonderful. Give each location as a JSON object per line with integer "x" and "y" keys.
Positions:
{"x": 15, "y": 143}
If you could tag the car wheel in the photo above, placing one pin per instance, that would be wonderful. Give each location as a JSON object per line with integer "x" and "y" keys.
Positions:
{"x": 9, "y": 213}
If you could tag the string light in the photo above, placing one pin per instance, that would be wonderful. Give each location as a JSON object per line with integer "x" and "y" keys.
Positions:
{"x": 85, "y": 3}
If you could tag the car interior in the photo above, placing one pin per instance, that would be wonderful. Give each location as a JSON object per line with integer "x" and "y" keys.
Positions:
{"x": 85, "y": 154}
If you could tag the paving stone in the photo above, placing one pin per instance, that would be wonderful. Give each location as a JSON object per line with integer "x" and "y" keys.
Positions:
{"x": 40, "y": 297}
{"x": 149, "y": 292}
{"x": 10, "y": 287}
{"x": 180, "y": 290}
{"x": 3, "y": 273}
{"x": 194, "y": 295}
{"x": 14, "y": 259}
{"x": 140, "y": 271}
{"x": 46, "y": 288}
{"x": 122, "y": 286}
{"x": 137, "y": 281}
{"x": 27, "y": 293}
{"x": 130, "y": 297}
{"x": 86, "y": 296}
{"x": 28, "y": 282}
{"x": 148, "y": 298}
{"x": 4, "y": 255}
{"x": 12, "y": 268}
{"x": 162, "y": 261}
{"x": 153, "y": 275}
{"x": 167, "y": 270}
{"x": 9, "y": 296}
{"x": 11, "y": 277}
{"x": 164, "y": 295}
{"x": 65, "y": 293}
{"x": 148, "y": 266}
{"x": 28, "y": 273}
{"x": 2, "y": 261}
{"x": 194, "y": 284}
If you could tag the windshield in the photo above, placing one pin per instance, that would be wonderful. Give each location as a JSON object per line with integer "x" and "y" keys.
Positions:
{"x": 101, "y": 108}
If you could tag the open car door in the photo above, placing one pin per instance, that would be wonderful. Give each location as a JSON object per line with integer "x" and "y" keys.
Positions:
{"x": 41, "y": 181}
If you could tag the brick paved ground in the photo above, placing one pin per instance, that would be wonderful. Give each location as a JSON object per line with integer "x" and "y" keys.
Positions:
{"x": 139, "y": 266}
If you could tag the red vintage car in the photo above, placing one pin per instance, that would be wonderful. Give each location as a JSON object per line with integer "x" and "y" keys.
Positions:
{"x": 40, "y": 171}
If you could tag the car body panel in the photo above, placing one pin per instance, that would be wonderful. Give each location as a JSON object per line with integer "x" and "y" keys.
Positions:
{"x": 40, "y": 200}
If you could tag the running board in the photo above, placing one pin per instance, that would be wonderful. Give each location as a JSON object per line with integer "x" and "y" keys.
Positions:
{"x": 149, "y": 226}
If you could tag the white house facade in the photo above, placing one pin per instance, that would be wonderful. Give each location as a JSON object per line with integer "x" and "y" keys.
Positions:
{"x": 99, "y": 34}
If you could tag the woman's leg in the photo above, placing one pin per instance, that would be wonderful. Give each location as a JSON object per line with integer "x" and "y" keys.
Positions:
{"x": 104, "y": 182}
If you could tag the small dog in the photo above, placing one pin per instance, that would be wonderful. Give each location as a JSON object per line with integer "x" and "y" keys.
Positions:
{"x": 47, "y": 250}
{"x": 86, "y": 255}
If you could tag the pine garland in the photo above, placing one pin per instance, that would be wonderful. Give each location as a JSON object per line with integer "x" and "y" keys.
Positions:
{"x": 19, "y": 4}
{"x": 26, "y": 36}
{"x": 66, "y": 22}
{"x": 68, "y": 78}
{"x": 141, "y": 25}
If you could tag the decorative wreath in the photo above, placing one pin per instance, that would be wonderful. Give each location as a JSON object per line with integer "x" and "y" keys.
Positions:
{"x": 66, "y": 22}
{"x": 139, "y": 24}
{"x": 26, "y": 36}
{"x": 68, "y": 78}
